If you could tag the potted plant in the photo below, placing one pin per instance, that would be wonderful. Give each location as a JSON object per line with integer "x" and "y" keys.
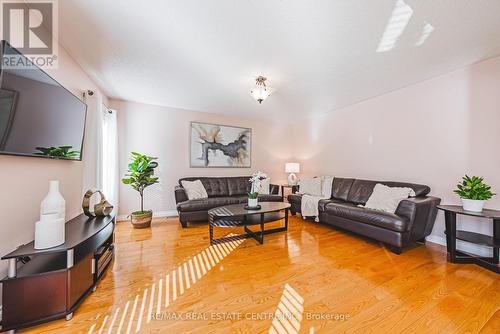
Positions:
{"x": 253, "y": 195}
{"x": 474, "y": 193}
{"x": 140, "y": 176}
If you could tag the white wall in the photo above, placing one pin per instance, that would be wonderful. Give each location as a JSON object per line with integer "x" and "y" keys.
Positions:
{"x": 432, "y": 133}
{"x": 164, "y": 132}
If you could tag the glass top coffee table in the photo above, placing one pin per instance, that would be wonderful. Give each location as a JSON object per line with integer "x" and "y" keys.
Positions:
{"x": 235, "y": 215}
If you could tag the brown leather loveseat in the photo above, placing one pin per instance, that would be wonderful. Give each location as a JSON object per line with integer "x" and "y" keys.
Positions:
{"x": 412, "y": 221}
{"x": 221, "y": 191}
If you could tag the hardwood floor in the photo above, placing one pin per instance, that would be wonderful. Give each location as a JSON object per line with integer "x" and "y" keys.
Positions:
{"x": 312, "y": 279}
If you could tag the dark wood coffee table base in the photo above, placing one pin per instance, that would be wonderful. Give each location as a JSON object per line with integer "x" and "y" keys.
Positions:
{"x": 245, "y": 221}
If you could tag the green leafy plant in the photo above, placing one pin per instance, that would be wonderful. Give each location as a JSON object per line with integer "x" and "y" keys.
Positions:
{"x": 474, "y": 188}
{"x": 253, "y": 195}
{"x": 58, "y": 152}
{"x": 140, "y": 174}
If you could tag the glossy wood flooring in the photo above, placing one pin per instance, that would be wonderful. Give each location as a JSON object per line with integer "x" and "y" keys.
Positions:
{"x": 312, "y": 279}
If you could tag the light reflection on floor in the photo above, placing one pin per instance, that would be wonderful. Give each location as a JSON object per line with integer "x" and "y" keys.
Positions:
{"x": 166, "y": 290}
{"x": 288, "y": 315}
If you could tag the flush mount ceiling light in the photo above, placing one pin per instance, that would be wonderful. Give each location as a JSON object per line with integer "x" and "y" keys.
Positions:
{"x": 260, "y": 92}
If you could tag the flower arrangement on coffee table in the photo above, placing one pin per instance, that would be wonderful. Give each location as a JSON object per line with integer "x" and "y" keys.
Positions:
{"x": 253, "y": 195}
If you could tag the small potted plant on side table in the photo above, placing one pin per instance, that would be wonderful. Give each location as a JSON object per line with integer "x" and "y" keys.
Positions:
{"x": 474, "y": 193}
{"x": 253, "y": 195}
{"x": 140, "y": 176}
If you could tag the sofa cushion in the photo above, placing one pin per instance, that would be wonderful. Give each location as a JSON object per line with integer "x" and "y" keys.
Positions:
{"x": 323, "y": 202}
{"x": 238, "y": 185}
{"x": 350, "y": 211}
{"x": 194, "y": 189}
{"x": 294, "y": 198}
{"x": 419, "y": 189}
{"x": 270, "y": 198}
{"x": 326, "y": 186}
{"x": 215, "y": 186}
{"x": 341, "y": 187}
{"x": 386, "y": 198}
{"x": 206, "y": 203}
{"x": 360, "y": 191}
{"x": 310, "y": 186}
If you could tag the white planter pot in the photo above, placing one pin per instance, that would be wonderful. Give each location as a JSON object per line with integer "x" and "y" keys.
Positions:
{"x": 253, "y": 202}
{"x": 472, "y": 205}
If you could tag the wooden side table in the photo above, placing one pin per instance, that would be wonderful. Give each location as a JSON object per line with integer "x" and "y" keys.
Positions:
{"x": 452, "y": 234}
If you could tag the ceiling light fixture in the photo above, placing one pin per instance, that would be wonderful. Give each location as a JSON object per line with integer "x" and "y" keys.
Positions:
{"x": 260, "y": 92}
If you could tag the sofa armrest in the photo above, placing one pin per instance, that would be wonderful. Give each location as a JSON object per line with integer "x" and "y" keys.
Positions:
{"x": 180, "y": 194}
{"x": 274, "y": 189}
{"x": 421, "y": 213}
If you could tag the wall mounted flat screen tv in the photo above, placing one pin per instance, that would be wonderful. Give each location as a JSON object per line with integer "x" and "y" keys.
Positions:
{"x": 38, "y": 116}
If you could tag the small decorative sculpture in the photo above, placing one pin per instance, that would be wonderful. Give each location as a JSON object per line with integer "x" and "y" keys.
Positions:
{"x": 101, "y": 209}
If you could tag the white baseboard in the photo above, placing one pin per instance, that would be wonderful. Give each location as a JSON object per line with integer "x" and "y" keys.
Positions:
{"x": 463, "y": 246}
{"x": 156, "y": 214}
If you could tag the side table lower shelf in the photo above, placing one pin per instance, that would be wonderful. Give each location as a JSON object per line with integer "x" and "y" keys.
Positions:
{"x": 452, "y": 235}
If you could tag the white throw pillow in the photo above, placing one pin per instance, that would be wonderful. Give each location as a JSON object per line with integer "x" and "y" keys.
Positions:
{"x": 326, "y": 186}
{"x": 194, "y": 189}
{"x": 386, "y": 198}
{"x": 310, "y": 186}
{"x": 262, "y": 186}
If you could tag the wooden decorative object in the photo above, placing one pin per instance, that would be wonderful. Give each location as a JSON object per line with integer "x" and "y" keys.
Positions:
{"x": 101, "y": 209}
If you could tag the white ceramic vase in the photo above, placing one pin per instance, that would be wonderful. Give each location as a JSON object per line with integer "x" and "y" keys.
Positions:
{"x": 54, "y": 203}
{"x": 472, "y": 205}
{"x": 49, "y": 231}
{"x": 253, "y": 202}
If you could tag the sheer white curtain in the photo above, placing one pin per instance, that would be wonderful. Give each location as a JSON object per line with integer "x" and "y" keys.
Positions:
{"x": 92, "y": 148}
{"x": 109, "y": 158}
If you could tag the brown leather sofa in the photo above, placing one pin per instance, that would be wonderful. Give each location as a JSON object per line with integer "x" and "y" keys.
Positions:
{"x": 411, "y": 223}
{"x": 221, "y": 191}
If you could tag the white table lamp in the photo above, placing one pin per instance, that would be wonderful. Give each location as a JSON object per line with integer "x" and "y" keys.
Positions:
{"x": 292, "y": 168}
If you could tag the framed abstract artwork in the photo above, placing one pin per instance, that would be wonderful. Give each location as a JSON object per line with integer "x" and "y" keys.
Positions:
{"x": 215, "y": 145}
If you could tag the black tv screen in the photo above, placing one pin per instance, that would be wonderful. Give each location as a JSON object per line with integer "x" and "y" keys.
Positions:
{"x": 38, "y": 116}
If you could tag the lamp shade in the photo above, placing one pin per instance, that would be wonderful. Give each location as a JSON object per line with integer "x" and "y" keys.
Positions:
{"x": 292, "y": 167}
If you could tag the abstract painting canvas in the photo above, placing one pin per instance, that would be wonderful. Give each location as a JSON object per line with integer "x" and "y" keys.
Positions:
{"x": 214, "y": 145}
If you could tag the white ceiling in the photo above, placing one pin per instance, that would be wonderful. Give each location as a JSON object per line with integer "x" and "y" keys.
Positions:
{"x": 318, "y": 55}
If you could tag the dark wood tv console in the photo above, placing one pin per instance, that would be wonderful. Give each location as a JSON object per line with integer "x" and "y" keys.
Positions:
{"x": 47, "y": 284}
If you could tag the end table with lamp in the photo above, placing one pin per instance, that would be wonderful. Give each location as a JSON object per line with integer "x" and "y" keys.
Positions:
{"x": 287, "y": 186}
{"x": 292, "y": 168}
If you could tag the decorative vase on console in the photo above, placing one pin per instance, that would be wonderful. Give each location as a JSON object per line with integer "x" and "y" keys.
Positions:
{"x": 54, "y": 202}
{"x": 50, "y": 230}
